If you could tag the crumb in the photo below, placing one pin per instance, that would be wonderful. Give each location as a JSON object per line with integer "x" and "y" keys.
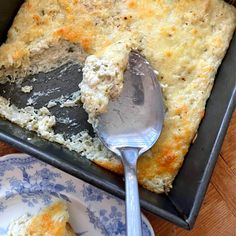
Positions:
{"x": 26, "y": 89}
{"x": 51, "y": 104}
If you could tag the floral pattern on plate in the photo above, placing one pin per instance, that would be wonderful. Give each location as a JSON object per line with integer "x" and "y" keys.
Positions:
{"x": 28, "y": 185}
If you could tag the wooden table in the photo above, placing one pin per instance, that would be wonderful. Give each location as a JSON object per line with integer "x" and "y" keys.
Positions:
{"x": 218, "y": 212}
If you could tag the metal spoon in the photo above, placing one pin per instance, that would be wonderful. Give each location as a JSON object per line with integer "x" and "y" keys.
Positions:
{"x": 131, "y": 126}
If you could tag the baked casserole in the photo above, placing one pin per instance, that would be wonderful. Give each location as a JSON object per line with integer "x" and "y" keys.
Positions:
{"x": 184, "y": 40}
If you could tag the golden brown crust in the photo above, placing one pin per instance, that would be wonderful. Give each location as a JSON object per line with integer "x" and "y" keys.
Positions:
{"x": 184, "y": 40}
{"x": 50, "y": 221}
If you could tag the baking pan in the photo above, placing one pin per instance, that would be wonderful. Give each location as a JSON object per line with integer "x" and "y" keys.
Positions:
{"x": 182, "y": 204}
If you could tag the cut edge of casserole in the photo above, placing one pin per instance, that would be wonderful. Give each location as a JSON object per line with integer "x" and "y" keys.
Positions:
{"x": 185, "y": 41}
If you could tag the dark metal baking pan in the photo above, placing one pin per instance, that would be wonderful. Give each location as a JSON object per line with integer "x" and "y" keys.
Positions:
{"x": 182, "y": 204}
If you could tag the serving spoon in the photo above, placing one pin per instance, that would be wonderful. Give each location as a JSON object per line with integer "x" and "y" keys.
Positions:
{"x": 131, "y": 126}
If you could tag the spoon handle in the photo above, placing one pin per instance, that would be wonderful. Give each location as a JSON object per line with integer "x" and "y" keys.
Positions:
{"x": 133, "y": 216}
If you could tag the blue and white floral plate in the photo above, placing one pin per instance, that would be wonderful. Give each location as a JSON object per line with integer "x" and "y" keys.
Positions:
{"x": 27, "y": 185}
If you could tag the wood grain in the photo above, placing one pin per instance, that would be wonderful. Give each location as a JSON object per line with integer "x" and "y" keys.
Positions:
{"x": 6, "y": 149}
{"x": 218, "y": 213}
{"x": 228, "y": 150}
{"x": 224, "y": 182}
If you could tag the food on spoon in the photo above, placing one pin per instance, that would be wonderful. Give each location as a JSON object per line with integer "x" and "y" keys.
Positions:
{"x": 185, "y": 41}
